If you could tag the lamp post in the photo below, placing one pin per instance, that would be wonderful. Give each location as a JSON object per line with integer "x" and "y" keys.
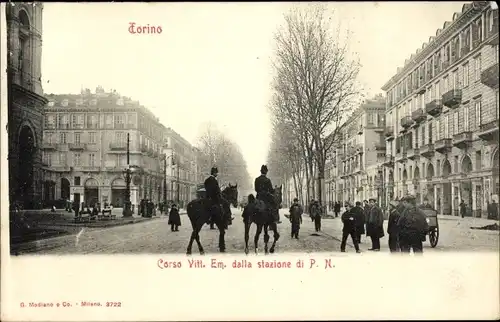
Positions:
{"x": 127, "y": 212}
{"x": 171, "y": 156}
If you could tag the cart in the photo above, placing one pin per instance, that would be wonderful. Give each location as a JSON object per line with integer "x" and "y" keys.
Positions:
{"x": 432, "y": 221}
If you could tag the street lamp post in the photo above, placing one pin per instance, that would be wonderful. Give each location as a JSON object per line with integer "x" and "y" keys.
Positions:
{"x": 127, "y": 212}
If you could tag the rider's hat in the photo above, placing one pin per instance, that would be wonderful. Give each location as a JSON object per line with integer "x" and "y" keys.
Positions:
{"x": 409, "y": 198}
{"x": 214, "y": 170}
{"x": 263, "y": 169}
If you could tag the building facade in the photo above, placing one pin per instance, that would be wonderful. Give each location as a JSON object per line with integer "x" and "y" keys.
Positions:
{"x": 354, "y": 169}
{"x": 85, "y": 151}
{"x": 442, "y": 116}
{"x": 25, "y": 102}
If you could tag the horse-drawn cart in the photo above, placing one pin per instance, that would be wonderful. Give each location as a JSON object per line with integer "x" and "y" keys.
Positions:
{"x": 432, "y": 221}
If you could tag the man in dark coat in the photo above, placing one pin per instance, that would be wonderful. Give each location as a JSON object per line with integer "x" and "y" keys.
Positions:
{"x": 463, "y": 208}
{"x": 316, "y": 213}
{"x": 359, "y": 220}
{"x": 375, "y": 225}
{"x": 366, "y": 209}
{"x": 395, "y": 211}
{"x": 265, "y": 190}
{"x": 349, "y": 221}
{"x": 296, "y": 212}
{"x": 412, "y": 226}
{"x": 174, "y": 218}
{"x": 336, "y": 209}
{"x": 213, "y": 194}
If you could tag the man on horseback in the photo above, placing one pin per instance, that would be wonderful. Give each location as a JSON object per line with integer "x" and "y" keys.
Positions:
{"x": 213, "y": 194}
{"x": 264, "y": 189}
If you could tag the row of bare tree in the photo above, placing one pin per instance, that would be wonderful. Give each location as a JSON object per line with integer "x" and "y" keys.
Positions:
{"x": 314, "y": 89}
{"x": 218, "y": 150}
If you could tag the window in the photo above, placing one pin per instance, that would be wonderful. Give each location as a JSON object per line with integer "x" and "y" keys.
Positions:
{"x": 495, "y": 50}
{"x": 119, "y": 137}
{"x": 119, "y": 121}
{"x": 92, "y": 137}
{"x": 48, "y": 137}
{"x": 109, "y": 120}
{"x": 62, "y": 158}
{"x": 63, "y": 121}
{"x": 478, "y": 160}
{"x": 370, "y": 119}
{"x": 92, "y": 121}
{"x": 76, "y": 158}
{"x": 423, "y": 135}
{"x": 62, "y": 138}
{"x": 455, "y": 80}
{"x": 78, "y": 137}
{"x": 47, "y": 158}
{"x": 445, "y": 84}
{"x": 477, "y": 68}
{"x": 477, "y": 111}
{"x": 455, "y": 123}
{"x": 92, "y": 159}
{"x": 466, "y": 118}
{"x": 77, "y": 181}
{"x": 50, "y": 121}
{"x": 465, "y": 80}
{"x": 73, "y": 120}
{"x": 446, "y": 126}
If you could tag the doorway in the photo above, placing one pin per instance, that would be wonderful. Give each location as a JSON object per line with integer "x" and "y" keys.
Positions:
{"x": 447, "y": 193}
{"x": 25, "y": 165}
{"x": 65, "y": 188}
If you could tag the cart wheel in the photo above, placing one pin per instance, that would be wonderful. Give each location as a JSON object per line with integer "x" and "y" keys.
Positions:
{"x": 434, "y": 237}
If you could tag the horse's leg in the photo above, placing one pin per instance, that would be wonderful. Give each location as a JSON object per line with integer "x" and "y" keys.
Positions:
{"x": 247, "y": 235}
{"x": 256, "y": 239}
{"x": 276, "y": 236}
{"x": 266, "y": 238}
{"x": 222, "y": 232}
{"x": 197, "y": 237}
{"x": 193, "y": 237}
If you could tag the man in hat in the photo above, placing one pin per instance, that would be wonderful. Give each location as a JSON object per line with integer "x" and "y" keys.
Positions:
{"x": 213, "y": 194}
{"x": 412, "y": 226}
{"x": 395, "y": 211}
{"x": 375, "y": 228}
{"x": 264, "y": 189}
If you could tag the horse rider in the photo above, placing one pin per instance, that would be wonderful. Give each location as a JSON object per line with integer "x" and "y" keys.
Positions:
{"x": 213, "y": 194}
{"x": 265, "y": 190}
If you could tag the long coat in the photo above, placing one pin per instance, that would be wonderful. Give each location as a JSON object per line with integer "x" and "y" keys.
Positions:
{"x": 375, "y": 227}
{"x": 264, "y": 189}
{"x": 213, "y": 191}
{"x": 392, "y": 224}
{"x": 348, "y": 221}
{"x": 174, "y": 218}
{"x": 359, "y": 219}
{"x": 296, "y": 212}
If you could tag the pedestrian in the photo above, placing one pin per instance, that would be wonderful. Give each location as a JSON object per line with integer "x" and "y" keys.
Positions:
{"x": 349, "y": 229}
{"x": 359, "y": 220}
{"x": 463, "y": 208}
{"x": 366, "y": 209}
{"x": 310, "y": 209}
{"x": 375, "y": 228}
{"x": 316, "y": 214}
{"x": 174, "y": 219}
{"x": 493, "y": 209}
{"x": 337, "y": 209}
{"x": 296, "y": 212}
{"x": 395, "y": 210}
{"x": 412, "y": 226}
{"x": 76, "y": 209}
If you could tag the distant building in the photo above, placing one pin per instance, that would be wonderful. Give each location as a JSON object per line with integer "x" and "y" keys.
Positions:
{"x": 442, "y": 116}
{"x": 353, "y": 171}
{"x": 85, "y": 151}
{"x": 25, "y": 102}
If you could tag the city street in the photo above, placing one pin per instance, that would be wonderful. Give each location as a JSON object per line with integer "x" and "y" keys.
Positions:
{"x": 154, "y": 236}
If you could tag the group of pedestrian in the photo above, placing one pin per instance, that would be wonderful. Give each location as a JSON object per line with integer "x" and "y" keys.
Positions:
{"x": 315, "y": 212}
{"x": 407, "y": 226}
{"x": 359, "y": 220}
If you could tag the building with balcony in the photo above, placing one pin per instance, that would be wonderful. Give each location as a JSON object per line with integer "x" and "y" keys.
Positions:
{"x": 25, "y": 102}
{"x": 442, "y": 116}
{"x": 353, "y": 170}
{"x": 85, "y": 151}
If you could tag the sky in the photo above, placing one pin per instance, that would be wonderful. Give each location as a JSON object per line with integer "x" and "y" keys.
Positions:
{"x": 211, "y": 63}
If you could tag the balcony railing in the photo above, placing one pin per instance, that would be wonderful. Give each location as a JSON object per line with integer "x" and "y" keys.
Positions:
{"x": 118, "y": 146}
{"x": 49, "y": 146}
{"x": 380, "y": 146}
{"x": 413, "y": 154}
{"x": 418, "y": 116}
{"x": 144, "y": 149}
{"x": 406, "y": 122}
{"x": 434, "y": 108}
{"x": 389, "y": 133}
{"x": 489, "y": 131}
{"x": 76, "y": 146}
{"x": 452, "y": 98}
{"x": 427, "y": 150}
{"x": 489, "y": 76}
{"x": 462, "y": 140}
{"x": 389, "y": 161}
{"x": 443, "y": 145}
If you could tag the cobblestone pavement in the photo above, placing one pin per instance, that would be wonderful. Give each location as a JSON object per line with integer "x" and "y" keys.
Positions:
{"x": 155, "y": 237}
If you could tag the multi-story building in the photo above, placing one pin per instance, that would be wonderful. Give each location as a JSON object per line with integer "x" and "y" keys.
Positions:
{"x": 353, "y": 171}
{"x": 442, "y": 116}
{"x": 25, "y": 102}
{"x": 85, "y": 150}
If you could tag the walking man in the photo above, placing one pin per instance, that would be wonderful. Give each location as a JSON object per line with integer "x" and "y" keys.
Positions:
{"x": 349, "y": 229}
{"x": 412, "y": 226}
{"x": 296, "y": 212}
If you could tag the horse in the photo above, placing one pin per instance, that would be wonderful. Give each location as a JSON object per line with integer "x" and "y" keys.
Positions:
{"x": 265, "y": 218}
{"x": 199, "y": 214}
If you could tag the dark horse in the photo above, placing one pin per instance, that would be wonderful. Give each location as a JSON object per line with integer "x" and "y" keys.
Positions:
{"x": 199, "y": 214}
{"x": 265, "y": 217}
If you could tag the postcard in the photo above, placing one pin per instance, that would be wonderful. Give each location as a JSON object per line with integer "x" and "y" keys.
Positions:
{"x": 249, "y": 161}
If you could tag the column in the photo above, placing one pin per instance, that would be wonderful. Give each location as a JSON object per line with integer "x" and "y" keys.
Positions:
{"x": 453, "y": 202}
{"x": 474, "y": 198}
{"x": 436, "y": 191}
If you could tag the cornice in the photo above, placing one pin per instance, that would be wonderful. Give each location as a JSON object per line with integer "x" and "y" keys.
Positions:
{"x": 448, "y": 31}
